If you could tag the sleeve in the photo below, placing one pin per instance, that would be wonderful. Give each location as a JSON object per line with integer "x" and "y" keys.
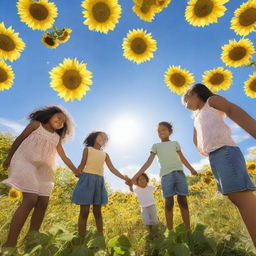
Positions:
{"x": 154, "y": 149}
{"x": 178, "y": 146}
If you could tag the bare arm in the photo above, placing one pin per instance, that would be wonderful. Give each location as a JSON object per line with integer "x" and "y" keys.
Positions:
{"x": 144, "y": 167}
{"x": 27, "y": 131}
{"x": 235, "y": 113}
{"x": 66, "y": 160}
{"x": 114, "y": 170}
{"x": 82, "y": 164}
{"x": 186, "y": 163}
{"x": 195, "y": 137}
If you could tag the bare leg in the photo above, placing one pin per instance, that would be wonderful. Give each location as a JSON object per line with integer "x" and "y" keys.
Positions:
{"x": 98, "y": 217}
{"x": 82, "y": 220}
{"x": 19, "y": 218}
{"x": 38, "y": 213}
{"x": 246, "y": 203}
{"x": 169, "y": 203}
{"x": 183, "y": 204}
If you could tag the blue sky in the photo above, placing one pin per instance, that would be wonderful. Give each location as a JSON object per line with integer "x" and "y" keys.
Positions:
{"x": 122, "y": 90}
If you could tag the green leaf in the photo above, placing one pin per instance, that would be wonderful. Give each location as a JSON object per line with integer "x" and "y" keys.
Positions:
{"x": 181, "y": 250}
{"x": 81, "y": 251}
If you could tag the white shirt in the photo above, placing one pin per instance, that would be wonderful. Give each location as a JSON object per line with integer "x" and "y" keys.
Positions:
{"x": 145, "y": 195}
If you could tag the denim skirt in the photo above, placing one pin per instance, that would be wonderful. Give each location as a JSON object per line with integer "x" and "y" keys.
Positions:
{"x": 90, "y": 190}
{"x": 229, "y": 170}
{"x": 174, "y": 183}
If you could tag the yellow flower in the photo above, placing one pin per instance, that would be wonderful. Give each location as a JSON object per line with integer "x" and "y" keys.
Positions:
{"x": 11, "y": 45}
{"x": 139, "y": 46}
{"x": 101, "y": 15}
{"x": 177, "y": 79}
{"x": 146, "y": 13}
{"x": 49, "y": 41}
{"x": 6, "y": 76}
{"x": 71, "y": 79}
{"x": 204, "y": 12}
{"x": 14, "y": 195}
{"x": 239, "y": 53}
{"x": 244, "y": 20}
{"x": 217, "y": 79}
{"x": 161, "y": 4}
{"x": 64, "y": 37}
{"x": 38, "y": 14}
{"x": 250, "y": 86}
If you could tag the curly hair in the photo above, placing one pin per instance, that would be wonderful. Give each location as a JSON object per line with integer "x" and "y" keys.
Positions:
{"x": 44, "y": 114}
{"x": 90, "y": 139}
{"x": 168, "y": 125}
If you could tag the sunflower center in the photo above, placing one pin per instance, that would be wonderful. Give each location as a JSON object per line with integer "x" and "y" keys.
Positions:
{"x": 71, "y": 79}
{"x": 6, "y": 43}
{"x": 63, "y": 36}
{"x": 138, "y": 45}
{"x": 177, "y": 79}
{"x": 237, "y": 53}
{"x": 203, "y": 8}
{"x": 38, "y": 11}
{"x": 3, "y": 75}
{"x": 101, "y": 12}
{"x": 248, "y": 17}
{"x": 253, "y": 85}
{"x": 50, "y": 41}
{"x": 13, "y": 194}
{"x": 217, "y": 79}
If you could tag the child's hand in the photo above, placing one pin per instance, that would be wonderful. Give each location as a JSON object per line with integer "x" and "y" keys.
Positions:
{"x": 6, "y": 163}
{"x": 194, "y": 172}
{"x": 77, "y": 173}
{"x": 134, "y": 181}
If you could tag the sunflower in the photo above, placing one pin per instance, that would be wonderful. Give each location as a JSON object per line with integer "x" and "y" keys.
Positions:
{"x": 250, "y": 86}
{"x": 14, "y": 195}
{"x": 139, "y": 46}
{"x": 204, "y": 12}
{"x": 6, "y": 76}
{"x": 239, "y": 53}
{"x": 161, "y": 4}
{"x": 177, "y": 79}
{"x": 38, "y": 14}
{"x": 146, "y": 13}
{"x": 49, "y": 41}
{"x": 217, "y": 79}
{"x": 71, "y": 79}
{"x": 64, "y": 37}
{"x": 101, "y": 15}
{"x": 244, "y": 20}
{"x": 11, "y": 45}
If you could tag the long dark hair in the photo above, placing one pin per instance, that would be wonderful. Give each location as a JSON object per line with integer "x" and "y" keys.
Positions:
{"x": 201, "y": 90}
{"x": 90, "y": 139}
{"x": 44, "y": 114}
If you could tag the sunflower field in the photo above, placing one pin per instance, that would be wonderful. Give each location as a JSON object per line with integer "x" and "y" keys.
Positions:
{"x": 215, "y": 226}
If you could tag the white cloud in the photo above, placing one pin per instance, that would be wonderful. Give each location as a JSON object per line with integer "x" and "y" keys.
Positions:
{"x": 250, "y": 155}
{"x": 238, "y": 134}
{"x": 130, "y": 169}
{"x": 240, "y": 137}
{"x": 201, "y": 163}
{"x": 11, "y": 125}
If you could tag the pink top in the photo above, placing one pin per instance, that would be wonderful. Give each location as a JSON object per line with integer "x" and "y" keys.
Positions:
{"x": 212, "y": 131}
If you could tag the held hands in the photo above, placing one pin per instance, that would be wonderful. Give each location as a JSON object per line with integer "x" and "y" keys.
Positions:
{"x": 77, "y": 172}
{"x": 128, "y": 182}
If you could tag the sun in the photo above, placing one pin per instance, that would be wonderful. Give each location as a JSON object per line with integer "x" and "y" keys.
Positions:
{"x": 124, "y": 130}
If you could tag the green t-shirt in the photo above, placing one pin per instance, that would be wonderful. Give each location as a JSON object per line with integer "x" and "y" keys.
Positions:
{"x": 167, "y": 156}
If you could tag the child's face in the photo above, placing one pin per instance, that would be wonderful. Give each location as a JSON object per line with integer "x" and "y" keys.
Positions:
{"x": 101, "y": 139}
{"x": 163, "y": 132}
{"x": 142, "y": 181}
{"x": 57, "y": 121}
{"x": 192, "y": 102}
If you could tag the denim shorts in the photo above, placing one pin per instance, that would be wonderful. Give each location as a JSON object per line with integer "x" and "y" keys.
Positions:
{"x": 90, "y": 190}
{"x": 229, "y": 169}
{"x": 174, "y": 183}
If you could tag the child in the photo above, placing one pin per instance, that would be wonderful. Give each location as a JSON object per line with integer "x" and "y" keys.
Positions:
{"x": 90, "y": 189}
{"x": 146, "y": 200}
{"x": 173, "y": 179}
{"x": 31, "y": 161}
{"x": 212, "y": 137}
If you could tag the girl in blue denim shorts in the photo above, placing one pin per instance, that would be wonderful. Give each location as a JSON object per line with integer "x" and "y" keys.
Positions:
{"x": 173, "y": 179}
{"x": 212, "y": 138}
{"x": 90, "y": 189}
